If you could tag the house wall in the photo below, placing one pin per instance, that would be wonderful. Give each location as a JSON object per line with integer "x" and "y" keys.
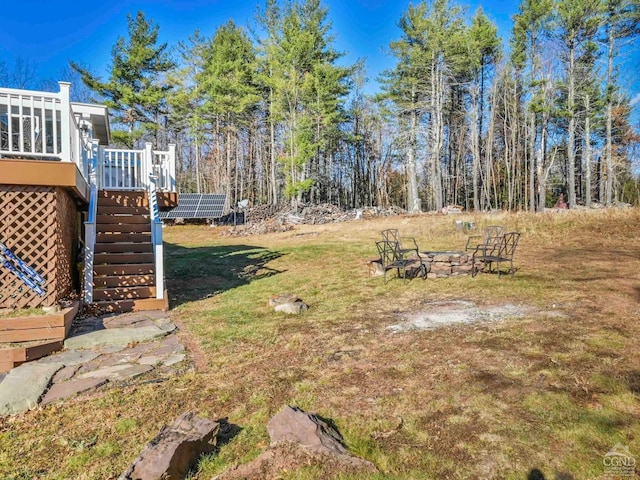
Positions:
{"x": 40, "y": 225}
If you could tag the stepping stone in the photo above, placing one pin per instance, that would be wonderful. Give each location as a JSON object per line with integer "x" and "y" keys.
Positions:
{"x": 69, "y": 358}
{"x": 115, "y": 336}
{"x": 24, "y": 385}
{"x": 118, "y": 372}
{"x": 173, "y": 359}
{"x": 65, "y": 373}
{"x": 149, "y": 360}
{"x": 134, "y": 319}
{"x": 64, "y": 390}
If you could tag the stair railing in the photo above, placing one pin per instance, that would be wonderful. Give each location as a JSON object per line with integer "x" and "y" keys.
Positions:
{"x": 90, "y": 243}
{"x": 156, "y": 237}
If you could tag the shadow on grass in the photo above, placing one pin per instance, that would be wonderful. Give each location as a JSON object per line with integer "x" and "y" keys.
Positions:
{"x": 201, "y": 272}
{"x": 537, "y": 474}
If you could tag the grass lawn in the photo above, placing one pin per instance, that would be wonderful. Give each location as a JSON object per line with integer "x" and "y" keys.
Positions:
{"x": 552, "y": 390}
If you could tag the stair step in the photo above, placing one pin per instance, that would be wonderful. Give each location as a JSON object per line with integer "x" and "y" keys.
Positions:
{"x": 123, "y": 293}
{"x": 120, "y": 198}
{"x": 122, "y": 219}
{"x": 114, "y": 281}
{"x": 123, "y": 228}
{"x": 106, "y": 237}
{"x": 133, "y": 305}
{"x": 122, "y": 210}
{"x": 119, "y": 258}
{"x": 125, "y": 247}
{"x": 125, "y": 269}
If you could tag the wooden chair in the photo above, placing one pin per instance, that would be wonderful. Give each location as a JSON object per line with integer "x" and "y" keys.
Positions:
{"x": 491, "y": 233}
{"x": 498, "y": 253}
{"x": 391, "y": 258}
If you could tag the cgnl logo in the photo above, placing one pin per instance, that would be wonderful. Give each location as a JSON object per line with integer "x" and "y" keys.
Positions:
{"x": 619, "y": 461}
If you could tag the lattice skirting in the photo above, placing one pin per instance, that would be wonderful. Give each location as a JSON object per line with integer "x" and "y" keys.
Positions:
{"x": 40, "y": 225}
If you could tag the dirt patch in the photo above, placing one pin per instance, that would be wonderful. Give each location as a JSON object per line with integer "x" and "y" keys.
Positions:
{"x": 443, "y": 314}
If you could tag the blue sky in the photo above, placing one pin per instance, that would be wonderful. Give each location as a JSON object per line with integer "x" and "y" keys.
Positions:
{"x": 49, "y": 33}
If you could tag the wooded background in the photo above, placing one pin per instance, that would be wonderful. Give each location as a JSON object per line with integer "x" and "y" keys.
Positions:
{"x": 270, "y": 113}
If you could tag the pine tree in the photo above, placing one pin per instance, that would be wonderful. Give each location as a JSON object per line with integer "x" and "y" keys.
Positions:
{"x": 431, "y": 53}
{"x": 230, "y": 93}
{"x": 530, "y": 26}
{"x": 484, "y": 49}
{"x": 622, "y": 20}
{"x": 578, "y": 22}
{"x": 136, "y": 90}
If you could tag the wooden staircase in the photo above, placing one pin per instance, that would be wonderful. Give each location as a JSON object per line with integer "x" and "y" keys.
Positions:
{"x": 123, "y": 264}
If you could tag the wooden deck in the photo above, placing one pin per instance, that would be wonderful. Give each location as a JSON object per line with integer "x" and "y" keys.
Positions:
{"x": 49, "y": 173}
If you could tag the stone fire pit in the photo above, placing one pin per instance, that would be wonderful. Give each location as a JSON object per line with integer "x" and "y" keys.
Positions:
{"x": 437, "y": 264}
{"x": 447, "y": 264}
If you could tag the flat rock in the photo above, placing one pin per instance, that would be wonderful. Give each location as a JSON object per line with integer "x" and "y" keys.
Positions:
{"x": 175, "y": 449}
{"x": 109, "y": 349}
{"x": 65, "y": 373}
{"x": 64, "y": 390}
{"x": 24, "y": 385}
{"x": 294, "y": 308}
{"x": 115, "y": 336}
{"x": 149, "y": 360}
{"x": 173, "y": 359}
{"x": 133, "y": 319}
{"x": 70, "y": 357}
{"x": 117, "y": 372}
{"x": 283, "y": 298}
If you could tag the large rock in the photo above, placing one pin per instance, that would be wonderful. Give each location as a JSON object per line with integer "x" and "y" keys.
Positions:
{"x": 300, "y": 439}
{"x": 288, "y": 303}
{"x": 294, "y": 308}
{"x": 292, "y": 424}
{"x": 175, "y": 449}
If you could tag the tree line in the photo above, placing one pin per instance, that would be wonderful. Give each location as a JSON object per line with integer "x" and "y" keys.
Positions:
{"x": 270, "y": 113}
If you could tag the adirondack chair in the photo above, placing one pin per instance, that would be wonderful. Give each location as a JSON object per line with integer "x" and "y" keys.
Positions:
{"x": 496, "y": 253}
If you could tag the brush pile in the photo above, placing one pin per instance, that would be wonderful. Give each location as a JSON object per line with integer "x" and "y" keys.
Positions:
{"x": 272, "y": 219}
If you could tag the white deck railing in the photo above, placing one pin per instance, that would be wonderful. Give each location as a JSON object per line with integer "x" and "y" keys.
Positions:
{"x": 43, "y": 125}
{"x": 40, "y": 125}
{"x": 130, "y": 169}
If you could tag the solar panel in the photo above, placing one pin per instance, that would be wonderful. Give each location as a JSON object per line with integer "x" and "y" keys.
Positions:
{"x": 197, "y": 205}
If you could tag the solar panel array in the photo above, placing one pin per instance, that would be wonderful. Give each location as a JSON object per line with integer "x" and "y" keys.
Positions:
{"x": 197, "y": 205}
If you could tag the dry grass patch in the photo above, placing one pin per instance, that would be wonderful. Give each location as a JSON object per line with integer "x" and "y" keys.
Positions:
{"x": 554, "y": 388}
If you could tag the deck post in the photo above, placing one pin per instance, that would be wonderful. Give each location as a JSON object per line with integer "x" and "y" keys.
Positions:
{"x": 90, "y": 244}
{"x": 156, "y": 237}
{"x": 65, "y": 121}
{"x": 147, "y": 160}
{"x": 171, "y": 186}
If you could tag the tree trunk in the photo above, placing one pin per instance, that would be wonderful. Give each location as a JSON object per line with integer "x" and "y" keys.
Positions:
{"x": 272, "y": 141}
{"x": 587, "y": 153}
{"x": 436, "y": 131}
{"x": 413, "y": 200}
{"x": 571, "y": 153}
{"x": 608, "y": 156}
{"x": 475, "y": 147}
